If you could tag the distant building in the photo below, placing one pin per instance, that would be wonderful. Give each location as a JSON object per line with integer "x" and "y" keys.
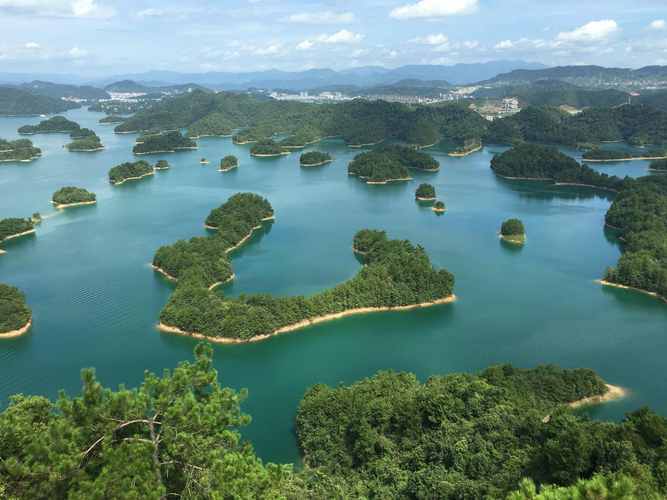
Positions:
{"x": 511, "y": 105}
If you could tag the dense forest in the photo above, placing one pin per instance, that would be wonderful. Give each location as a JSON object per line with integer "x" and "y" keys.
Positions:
{"x": 167, "y": 142}
{"x": 129, "y": 171}
{"x": 71, "y": 194}
{"x": 597, "y": 154}
{"x": 14, "y": 225}
{"x": 658, "y": 165}
{"x": 512, "y": 230}
{"x": 18, "y": 150}
{"x": 267, "y": 147}
{"x": 425, "y": 192}
{"x": 54, "y": 125}
{"x": 395, "y": 274}
{"x": 439, "y": 207}
{"x": 535, "y": 162}
{"x": 314, "y": 159}
{"x": 20, "y": 102}
{"x": 87, "y": 142}
{"x": 14, "y": 312}
{"x": 112, "y": 119}
{"x": 162, "y": 165}
{"x": 389, "y": 163}
{"x": 228, "y": 163}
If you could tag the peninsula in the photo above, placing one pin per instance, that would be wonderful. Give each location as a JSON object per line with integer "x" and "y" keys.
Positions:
{"x": 15, "y": 315}
{"x": 513, "y": 231}
{"x": 603, "y": 155}
{"x": 71, "y": 196}
{"x": 54, "y": 125}
{"x": 15, "y": 227}
{"x": 267, "y": 148}
{"x": 20, "y": 150}
{"x": 469, "y": 146}
{"x": 130, "y": 171}
{"x": 390, "y": 164}
{"x": 229, "y": 162}
{"x": 167, "y": 142}
{"x": 314, "y": 159}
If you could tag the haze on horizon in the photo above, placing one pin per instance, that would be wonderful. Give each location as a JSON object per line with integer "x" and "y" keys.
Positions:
{"x": 104, "y": 37}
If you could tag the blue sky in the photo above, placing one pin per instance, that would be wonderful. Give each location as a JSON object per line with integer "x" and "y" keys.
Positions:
{"x": 102, "y": 37}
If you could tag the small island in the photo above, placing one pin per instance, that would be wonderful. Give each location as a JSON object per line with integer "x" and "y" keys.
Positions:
{"x": 130, "y": 171}
{"x": 229, "y": 162}
{"x": 162, "y": 165}
{"x": 15, "y": 227}
{"x": 314, "y": 159}
{"x": 512, "y": 231}
{"x": 267, "y": 148}
{"x": 204, "y": 161}
{"x": 84, "y": 141}
{"x": 602, "y": 155}
{"x": 15, "y": 315}
{"x": 658, "y": 166}
{"x": 439, "y": 207}
{"x": 425, "y": 192}
{"x": 54, "y": 125}
{"x": 469, "y": 146}
{"x": 71, "y": 196}
{"x": 167, "y": 142}
{"x": 390, "y": 164}
{"x": 112, "y": 120}
{"x": 20, "y": 150}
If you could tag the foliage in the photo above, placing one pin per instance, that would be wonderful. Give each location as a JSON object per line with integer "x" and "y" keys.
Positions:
{"x": 659, "y": 165}
{"x": 54, "y": 125}
{"x": 314, "y": 158}
{"x": 512, "y": 227}
{"x": 14, "y": 225}
{"x": 109, "y": 119}
{"x": 229, "y": 162}
{"x": 390, "y": 163}
{"x": 604, "y": 154}
{"x": 368, "y": 240}
{"x": 426, "y": 191}
{"x": 71, "y": 194}
{"x": 301, "y": 137}
{"x": 19, "y": 102}
{"x": 439, "y": 206}
{"x": 18, "y": 150}
{"x": 167, "y": 142}
{"x": 162, "y": 165}
{"x": 129, "y": 170}
{"x": 266, "y": 147}
{"x": 14, "y": 312}
{"x": 87, "y": 143}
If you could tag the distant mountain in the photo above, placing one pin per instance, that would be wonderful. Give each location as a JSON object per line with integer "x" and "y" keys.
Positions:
{"x": 131, "y": 86}
{"x": 16, "y": 101}
{"x": 59, "y": 90}
{"x": 588, "y": 76}
{"x": 365, "y": 76}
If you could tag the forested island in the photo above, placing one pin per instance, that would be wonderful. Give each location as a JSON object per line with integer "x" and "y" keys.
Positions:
{"x": 20, "y": 102}
{"x": 390, "y": 163}
{"x": 659, "y": 166}
{"x": 513, "y": 231}
{"x": 162, "y": 165}
{"x": 544, "y": 163}
{"x": 203, "y": 261}
{"x": 85, "y": 140}
{"x": 54, "y": 125}
{"x": 314, "y": 159}
{"x": 439, "y": 207}
{"x": 20, "y": 150}
{"x": 15, "y": 315}
{"x": 228, "y": 163}
{"x": 267, "y": 148}
{"x": 112, "y": 119}
{"x": 396, "y": 276}
{"x": 603, "y": 155}
{"x": 204, "y": 161}
{"x": 130, "y": 171}
{"x": 71, "y": 196}
{"x": 167, "y": 142}
{"x": 14, "y": 227}
{"x": 501, "y": 433}
{"x": 425, "y": 192}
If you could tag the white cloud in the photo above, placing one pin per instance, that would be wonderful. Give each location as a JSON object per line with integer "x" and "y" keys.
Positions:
{"x": 342, "y": 36}
{"x": 436, "y": 39}
{"x": 305, "y": 45}
{"x": 326, "y": 17}
{"x": 504, "y": 45}
{"x": 434, "y": 8}
{"x": 658, "y": 24}
{"x": 77, "y": 53}
{"x": 273, "y": 49}
{"x": 33, "y": 46}
{"x": 57, "y": 8}
{"x": 591, "y": 32}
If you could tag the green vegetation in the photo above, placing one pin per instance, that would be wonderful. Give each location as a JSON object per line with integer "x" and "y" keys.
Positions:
{"x": 86, "y": 143}
{"x": 121, "y": 107}
{"x": 112, "y": 119}
{"x": 535, "y": 162}
{"x": 314, "y": 159}
{"x": 168, "y": 142}
{"x": 213, "y": 125}
{"x": 659, "y": 165}
{"x": 301, "y": 138}
{"x": 267, "y": 147}
{"x": 129, "y": 171}
{"x": 439, "y": 207}
{"x": 13, "y": 225}
{"x": 639, "y": 212}
{"x": 204, "y": 260}
{"x": 72, "y": 195}
{"x": 368, "y": 240}
{"x": 390, "y": 163}
{"x": 14, "y": 312}
{"x": 18, "y": 150}
{"x": 228, "y": 163}
{"x": 425, "y": 192}
{"x": 36, "y": 218}
{"x": 162, "y": 165}
{"x": 469, "y": 145}
{"x": 512, "y": 230}
{"x": 54, "y": 125}
{"x": 396, "y": 274}
{"x": 597, "y": 154}
{"x": 20, "y": 102}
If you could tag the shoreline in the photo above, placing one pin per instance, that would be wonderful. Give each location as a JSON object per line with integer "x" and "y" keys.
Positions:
{"x": 16, "y": 160}
{"x": 637, "y": 158}
{"x": 614, "y": 392}
{"x": 175, "y": 280}
{"x": 421, "y": 198}
{"x": 304, "y": 323}
{"x": 17, "y": 333}
{"x": 228, "y": 168}
{"x": 461, "y": 154}
{"x": 269, "y": 155}
{"x": 246, "y": 237}
{"x": 18, "y": 235}
{"x": 61, "y": 206}
{"x": 175, "y": 150}
{"x": 513, "y": 240}
{"x": 315, "y": 164}
{"x": 101, "y": 148}
{"x": 148, "y": 174}
{"x": 634, "y": 289}
{"x": 357, "y": 146}
{"x": 439, "y": 210}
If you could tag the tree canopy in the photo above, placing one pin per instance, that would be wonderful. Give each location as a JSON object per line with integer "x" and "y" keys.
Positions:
{"x": 55, "y": 124}
{"x": 129, "y": 170}
{"x": 14, "y": 225}
{"x": 18, "y": 150}
{"x": 71, "y": 194}
{"x": 167, "y": 142}
{"x": 14, "y": 312}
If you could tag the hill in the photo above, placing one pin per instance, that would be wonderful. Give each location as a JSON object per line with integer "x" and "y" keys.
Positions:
{"x": 58, "y": 90}
{"x": 14, "y": 101}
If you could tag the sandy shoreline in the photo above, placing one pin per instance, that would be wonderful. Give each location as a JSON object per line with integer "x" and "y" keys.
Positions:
{"x": 60, "y": 206}
{"x": 460, "y": 154}
{"x": 638, "y": 158}
{"x": 101, "y": 148}
{"x": 421, "y": 198}
{"x": 148, "y": 174}
{"x": 17, "y": 333}
{"x": 315, "y": 164}
{"x": 228, "y": 168}
{"x": 613, "y": 392}
{"x": 304, "y": 323}
{"x": 173, "y": 278}
{"x": 626, "y": 287}
{"x": 18, "y": 235}
{"x": 270, "y": 155}
{"x": 439, "y": 210}
{"x": 357, "y": 146}
{"x": 16, "y": 160}
{"x": 513, "y": 239}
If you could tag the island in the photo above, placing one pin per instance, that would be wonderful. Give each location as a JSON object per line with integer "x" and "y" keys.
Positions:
{"x": 204, "y": 259}
{"x": 71, "y": 196}
{"x": 20, "y": 150}
{"x": 658, "y": 166}
{"x": 204, "y": 161}
{"x": 439, "y": 207}
{"x": 469, "y": 146}
{"x": 167, "y": 142}
{"x": 534, "y": 162}
{"x": 314, "y": 159}
{"x": 54, "y": 125}
{"x": 390, "y": 164}
{"x": 603, "y": 155}
{"x": 267, "y": 148}
{"x": 130, "y": 171}
{"x": 162, "y": 165}
{"x": 85, "y": 142}
{"x": 425, "y": 192}
{"x": 229, "y": 162}
{"x": 15, "y": 227}
{"x": 396, "y": 276}
{"x": 15, "y": 315}
{"x": 112, "y": 120}
{"x": 512, "y": 231}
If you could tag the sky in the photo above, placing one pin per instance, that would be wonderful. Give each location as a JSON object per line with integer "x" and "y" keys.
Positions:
{"x": 107, "y": 37}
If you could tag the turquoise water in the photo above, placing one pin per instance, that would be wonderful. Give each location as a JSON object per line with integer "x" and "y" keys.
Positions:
{"x": 95, "y": 299}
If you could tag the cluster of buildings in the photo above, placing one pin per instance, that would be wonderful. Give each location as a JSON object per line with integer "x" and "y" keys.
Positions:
{"x": 307, "y": 97}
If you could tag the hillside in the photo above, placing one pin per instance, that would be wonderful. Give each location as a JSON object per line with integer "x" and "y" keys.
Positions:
{"x": 14, "y": 101}
{"x": 58, "y": 90}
